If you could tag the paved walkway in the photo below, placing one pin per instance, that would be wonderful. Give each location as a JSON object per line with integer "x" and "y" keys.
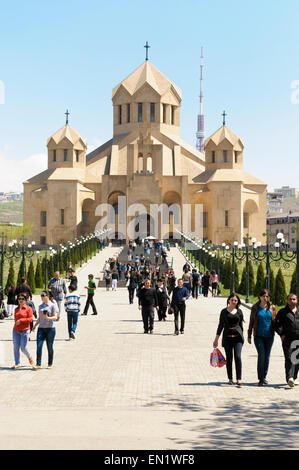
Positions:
{"x": 116, "y": 388}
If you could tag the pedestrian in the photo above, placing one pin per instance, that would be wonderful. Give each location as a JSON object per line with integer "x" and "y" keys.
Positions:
{"x": 72, "y": 306}
{"x": 21, "y": 330}
{"x": 24, "y": 287}
{"x": 178, "y": 306}
{"x": 131, "y": 285}
{"x": 205, "y": 284}
{"x": 287, "y": 326}
{"x": 74, "y": 280}
{"x": 58, "y": 288}
{"x": 91, "y": 288}
{"x": 262, "y": 323}
{"x": 231, "y": 324}
{"x": 30, "y": 303}
{"x": 200, "y": 283}
{"x": 195, "y": 280}
{"x": 11, "y": 300}
{"x": 114, "y": 277}
{"x": 186, "y": 267}
{"x": 214, "y": 283}
{"x": 48, "y": 314}
{"x": 186, "y": 277}
{"x": 163, "y": 299}
{"x": 171, "y": 282}
{"x": 164, "y": 256}
{"x": 147, "y": 301}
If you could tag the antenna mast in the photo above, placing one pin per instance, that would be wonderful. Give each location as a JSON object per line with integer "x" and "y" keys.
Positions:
{"x": 200, "y": 134}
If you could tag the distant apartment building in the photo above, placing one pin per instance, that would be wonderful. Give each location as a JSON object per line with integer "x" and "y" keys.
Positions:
{"x": 285, "y": 223}
{"x": 11, "y": 196}
{"x": 274, "y": 203}
{"x": 286, "y": 191}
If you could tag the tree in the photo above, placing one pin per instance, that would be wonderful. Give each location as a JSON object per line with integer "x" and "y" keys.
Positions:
{"x": 251, "y": 278}
{"x": 280, "y": 294}
{"x": 227, "y": 282}
{"x": 260, "y": 280}
{"x": 38, "y": 275}
{"x": 31, "y": 277}
{"x": 237, "y": 276}
{"x": 242, "y": 285}
{"x": 11, "y": 276}
{"x": 294, "y": 282}
{"x": 22, "y": 271}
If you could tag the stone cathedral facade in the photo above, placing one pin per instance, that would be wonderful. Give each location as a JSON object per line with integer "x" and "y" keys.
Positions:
{"x": 147, "y": 162}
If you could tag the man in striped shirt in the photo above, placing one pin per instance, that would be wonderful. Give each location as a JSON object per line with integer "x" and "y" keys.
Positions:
{"x": 72, "y": 306}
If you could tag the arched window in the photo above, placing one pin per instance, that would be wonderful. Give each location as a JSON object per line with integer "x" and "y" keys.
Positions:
{"x": 149, "y": 164}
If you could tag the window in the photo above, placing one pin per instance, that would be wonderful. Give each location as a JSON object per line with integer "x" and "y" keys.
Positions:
{"x": 128, "y": 113}
{"x": 225, "y": 156}
{"x": 119, "y": 114}
{"x": 226, "y": 218}
{"x": 65, "y": 155}
{"x": 172, "y": 114}
{"x": 42, "y": 240}
{"x": 204, "y": 219}
{"x": 164, "y": 113}
{"x": 62, "y": 216}
{"x": 152, "y": 112}
{"x": 245, "y": 220}
{"x": 84, "y": 218}
{"x": 77, "y": 155}
{"x": 236, "y": 157}
{"x": 213, "y": 156}
{"x": 43, "y": 218}
{"x": 139, "y": 112}
{"x": 54, "y": 155}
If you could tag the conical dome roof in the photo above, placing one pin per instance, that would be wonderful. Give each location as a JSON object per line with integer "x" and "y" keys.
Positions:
{"x": 67, "y": 132}
{"x": 224, "y": 133}
{"x": 147, "y": 73}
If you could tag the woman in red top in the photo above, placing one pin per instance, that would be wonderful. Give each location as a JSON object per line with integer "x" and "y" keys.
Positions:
{"x": 21, "y": 330}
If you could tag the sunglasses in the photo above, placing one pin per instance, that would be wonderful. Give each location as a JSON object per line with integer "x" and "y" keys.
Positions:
{"x": 21, "y": 298}
{"x": 44, "y": 295}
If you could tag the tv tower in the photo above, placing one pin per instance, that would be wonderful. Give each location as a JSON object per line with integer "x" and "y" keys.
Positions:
{"x": 200, "y": 134}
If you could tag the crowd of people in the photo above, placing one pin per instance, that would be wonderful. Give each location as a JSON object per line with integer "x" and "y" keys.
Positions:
{"x": 157, "y": 289}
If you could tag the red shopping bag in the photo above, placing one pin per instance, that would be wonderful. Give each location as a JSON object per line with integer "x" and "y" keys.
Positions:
{"x": 217, "y": 359}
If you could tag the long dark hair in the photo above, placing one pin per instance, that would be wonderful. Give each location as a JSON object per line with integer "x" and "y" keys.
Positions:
{"x": 263, "y": 292}
{"x": 232, "y": 294}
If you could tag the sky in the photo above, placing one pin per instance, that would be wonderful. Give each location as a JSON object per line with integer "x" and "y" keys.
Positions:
{"x": 69, "y": 54}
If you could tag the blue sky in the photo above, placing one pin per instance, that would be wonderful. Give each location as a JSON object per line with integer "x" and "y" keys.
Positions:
{"x": 70, "y": 54}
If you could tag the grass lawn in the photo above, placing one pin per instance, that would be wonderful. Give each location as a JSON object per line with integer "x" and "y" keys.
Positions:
{"x": 11, "y": 211}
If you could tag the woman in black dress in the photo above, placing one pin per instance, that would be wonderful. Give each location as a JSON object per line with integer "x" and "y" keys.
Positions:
{"x": 231, "y": 323}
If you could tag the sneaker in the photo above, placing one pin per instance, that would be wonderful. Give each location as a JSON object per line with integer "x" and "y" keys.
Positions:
{"x": 296, "y": 382}
{"x": 36, "y": 367}
{"x": 16, "y": 367}
{"x": 230, "y": 382}
{"x": 50, "y": 367}
{"x": 145, "y": 331}
{"x": 291, "y": 382}
{"x": 73, "y": 336}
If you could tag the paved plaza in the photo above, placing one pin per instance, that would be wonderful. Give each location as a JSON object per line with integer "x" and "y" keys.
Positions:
{"x": 114, "y": 387}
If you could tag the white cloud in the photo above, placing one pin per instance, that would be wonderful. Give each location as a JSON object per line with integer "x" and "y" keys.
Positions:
{"x": 14, "y": 172}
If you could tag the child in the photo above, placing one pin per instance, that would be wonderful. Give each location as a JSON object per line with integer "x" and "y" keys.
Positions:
{"x": 72, "y": 306}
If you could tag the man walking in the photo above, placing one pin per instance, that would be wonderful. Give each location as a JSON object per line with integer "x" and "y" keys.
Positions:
{"x": 178, "y": 305}
{"x": 287, "y": 326}
{"x": 91, "y": 287}
{"x": 72, "y": 306}
{"x": 58, "y": 288}
{"x": 148, "y": 301}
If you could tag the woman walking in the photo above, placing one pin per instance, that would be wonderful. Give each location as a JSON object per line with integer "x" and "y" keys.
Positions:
{"x": 214, "y": 283}
{"x": 11, "y": 300}
{"x": 131, "y": 284}
{"x": 21, "y": 330}
{"x": 46, "y": 330}
{"x": 231, "y": 323}
{"x": 262, "y": 320}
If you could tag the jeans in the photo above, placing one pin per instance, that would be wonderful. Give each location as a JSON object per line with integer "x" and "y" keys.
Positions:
{"x": 43, "y": 334}
{"x": 195, "y": 291}
{"x": 114, "y": 284}
{"x": 291, "y": 369}
{"x": 72, "y": 321}
{"x": 148, "y": 315}
{"x": 179, "y": 308}
{"x": 233, "y": 347}
{"x": 90, "y": 301}
{"x": 20, "y": 340}
{"x": 263, "y": 346}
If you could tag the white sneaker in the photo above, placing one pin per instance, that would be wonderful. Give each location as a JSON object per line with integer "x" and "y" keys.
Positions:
{"x": 296, "y": 382}
{"x": 291, "y": 382}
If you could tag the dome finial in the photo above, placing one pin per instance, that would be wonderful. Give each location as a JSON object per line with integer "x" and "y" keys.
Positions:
{"x": 224, "y": 116}
{"x": 147, "y": 48}
{"x": 67, "y": 117}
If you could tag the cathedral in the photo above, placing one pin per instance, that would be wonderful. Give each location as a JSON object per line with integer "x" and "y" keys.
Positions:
{"x": 145, "y": 163}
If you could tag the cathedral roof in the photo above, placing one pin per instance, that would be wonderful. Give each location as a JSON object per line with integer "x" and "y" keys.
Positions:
{"x": 227, "y": 175}
{"x": 67, "y": 132}
{"x": 224, "y": 133}
{"x": 147, "y": 73}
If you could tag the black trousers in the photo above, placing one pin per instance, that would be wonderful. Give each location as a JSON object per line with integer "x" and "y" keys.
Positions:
{"x": 195, "y": 291}
{"x": 89, "y": 302}
{"x": 233, "y": 347}
{"x": 148, "y": 315}
{"x": 131, "y": 294}
{"x": 289, "y": 347}
{"x": 179, "y": 309}
{"x": 162, "y": 312}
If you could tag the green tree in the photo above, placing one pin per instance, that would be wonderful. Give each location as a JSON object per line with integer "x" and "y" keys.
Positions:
{"x": 272, "y": 281}
{"x": 22, "y": 271}
{"x": 294, "y": 282}
{"x": 280, "y": 294}
{"x": 11, "y": 276}
{"x": 227, "y": 283}
{"x": 251, "y": 278}
{"x": 237, "y": 277}
{"x": 242, "y": 285}
{"x": 31, "y": 277}
{"x": 38, "y": 275}
{"x": 260, "y": 280}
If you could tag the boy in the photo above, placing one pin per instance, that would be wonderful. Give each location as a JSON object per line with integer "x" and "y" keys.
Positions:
{"x": 72, "y": 306}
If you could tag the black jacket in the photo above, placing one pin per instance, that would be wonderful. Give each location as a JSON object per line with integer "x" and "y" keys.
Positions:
{"x": 230, "y": 326}
{"x": 287, "y": 323}
{"x": 162, "y": 296}
{"x": 147, "y": 298}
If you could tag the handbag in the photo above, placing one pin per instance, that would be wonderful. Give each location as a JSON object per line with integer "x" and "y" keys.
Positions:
{"x": 170, "y": 312}
{"x": 217, "y": 359}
